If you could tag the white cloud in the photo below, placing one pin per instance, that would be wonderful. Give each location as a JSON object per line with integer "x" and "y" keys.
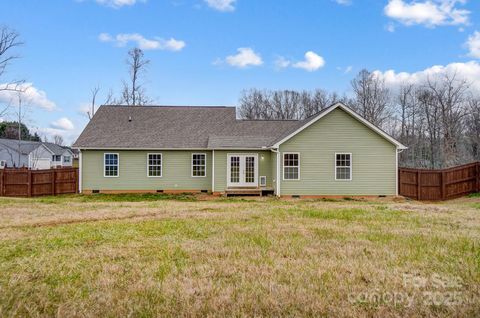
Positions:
{"x": 344, "y": 2}
{"x": 282, "y": 62}
{"x": 69, "y": 136}
{"x": 30, "y": 96}
{"x": 473, "y": 45}
{"x": 143, "y": 43}
{"x": 429, "y": 13}
{"x": 63, "y": 123}
{"x": 117, "y": 3}
{"x": 312, "y": 62}
{"x": 85, "y": 108}
{"x": 345, "y": 70}
{"x": 469, "y": 71}
{"x": 348, "y": 69}
{"x": 222, "y": 5}
{"x": 245, "y": 57}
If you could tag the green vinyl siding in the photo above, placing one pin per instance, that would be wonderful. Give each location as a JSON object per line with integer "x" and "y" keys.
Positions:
{"x": 221, "y": 164}
{"x": 273, "y": 163}
{"x": 176, "y": 171}
{"x": 373, "y": 158}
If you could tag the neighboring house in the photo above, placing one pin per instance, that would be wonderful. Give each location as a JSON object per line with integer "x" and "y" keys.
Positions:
{"x": 184, "y": 149}
{"x": 75, "y": 157}
{"x": 34, "y": 155}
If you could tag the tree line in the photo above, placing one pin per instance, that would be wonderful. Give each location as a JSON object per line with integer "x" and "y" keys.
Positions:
{"x": 438, "y": 118}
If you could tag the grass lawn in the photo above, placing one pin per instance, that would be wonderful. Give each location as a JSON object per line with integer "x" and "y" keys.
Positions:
{"x": 157, "y": 255}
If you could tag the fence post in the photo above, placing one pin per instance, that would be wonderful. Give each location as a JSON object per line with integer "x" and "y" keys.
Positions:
{"x": 418, "y": 186}
{"x": 478, "y": 176}
{"x": 76, "y": 180}
{"x": 53, "y": 181}
{"x": 399, "y": 182}
{"x": 29, "y": 188}
{"x": 3, "y": 183}
{"x": 444, "y": 185}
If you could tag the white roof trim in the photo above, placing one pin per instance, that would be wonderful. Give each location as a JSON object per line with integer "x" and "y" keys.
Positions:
{"x": 352, "y": 113}
{"x": 48, "y": 149}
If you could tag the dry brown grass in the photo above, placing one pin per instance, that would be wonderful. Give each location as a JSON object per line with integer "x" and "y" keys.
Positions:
{"x": 76, "y": 256}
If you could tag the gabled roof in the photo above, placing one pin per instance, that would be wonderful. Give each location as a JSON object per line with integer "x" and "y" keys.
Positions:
{"x": 27, "y": 147}
{"x": 22, "y": 146}
{"x": 311, "y": 120}
{"x": 56, "y": 149}
{"x": 192, "y": 127}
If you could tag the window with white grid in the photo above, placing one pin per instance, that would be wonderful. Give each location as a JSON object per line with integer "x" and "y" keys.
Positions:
{"x": 199, "y": 165}
{"x": 343, "y": 166}
{"x": 154, "y": 165}
{"x": 110, "y": 168}
{"x": 291, "y": 166}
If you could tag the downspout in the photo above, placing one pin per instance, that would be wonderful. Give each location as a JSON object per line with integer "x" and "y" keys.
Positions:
{"x": 213, "y": 171}
{"x": 398, "y": 150}
{"x": 79, "y": 170}
{"x": 278, "y": 171}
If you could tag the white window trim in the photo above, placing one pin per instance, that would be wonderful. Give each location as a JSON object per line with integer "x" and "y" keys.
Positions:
{"x": 118, "y": 164}
{"x": 161, "y": 164}
{"x": 242, "y": 184}
{"x": 191, "y": 165}
{"x": 351, "y": 165}
{"x": 283, "y": 165}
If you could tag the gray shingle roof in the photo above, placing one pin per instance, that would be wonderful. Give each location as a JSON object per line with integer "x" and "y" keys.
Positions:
{"x": 28, "y": 146}
{"x": 56, "y": 149}
{"x": 25, "y": 146}
{"x": 178, "y": 127}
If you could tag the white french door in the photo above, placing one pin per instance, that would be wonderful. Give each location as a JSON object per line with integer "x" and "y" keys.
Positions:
{"x": 242, "y": 170}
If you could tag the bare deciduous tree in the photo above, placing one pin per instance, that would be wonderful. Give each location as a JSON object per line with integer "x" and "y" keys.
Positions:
{"x": 449, "y": 93}
{"x": 94, "y": 93}
{"x": 9, "y": 40}
{"x": 472, "y": 125}
{"x": 372, "y": 98}
{"x": 58, "y": 140}
{"x": 284, "y": 104}
{"x": 133, "y": 92}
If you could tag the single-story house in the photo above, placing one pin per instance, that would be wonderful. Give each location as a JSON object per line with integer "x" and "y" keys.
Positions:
{"x": 192, "y": 149}
{"x": 33, "y": 154}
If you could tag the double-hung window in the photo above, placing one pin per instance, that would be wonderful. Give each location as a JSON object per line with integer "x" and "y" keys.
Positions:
{"x": 110, "y": 167}
{"x": 291, "y": 166}
{"x": 199, "y": 165}
{"x": 343, "y": 166}
{"x": 154, "y": 167}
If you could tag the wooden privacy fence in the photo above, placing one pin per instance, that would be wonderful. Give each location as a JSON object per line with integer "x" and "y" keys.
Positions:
{"x": 435, "y": 185}
{"x": 23, "y": 182}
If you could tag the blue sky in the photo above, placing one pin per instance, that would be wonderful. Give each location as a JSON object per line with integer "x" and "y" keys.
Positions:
{"x": 204, "y": 52}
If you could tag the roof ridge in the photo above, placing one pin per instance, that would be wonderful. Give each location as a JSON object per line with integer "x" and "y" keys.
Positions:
{"x": 280, "y": 120}
{"x": 170, "y": 106}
